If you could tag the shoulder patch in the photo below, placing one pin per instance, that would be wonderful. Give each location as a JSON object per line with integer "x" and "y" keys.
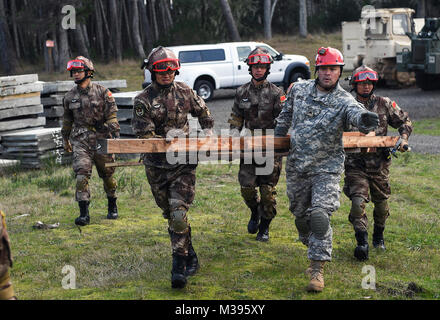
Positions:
{"x": 110, "y": 94}
{"x": 139, "y": 110}
{"x": 283, "y": 99}
{"x": 394, "y": 105}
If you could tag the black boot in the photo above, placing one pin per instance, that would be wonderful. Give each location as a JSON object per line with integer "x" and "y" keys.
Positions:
{"x": 178, "y": 278}
{"x": 84, "y": 218}
{"x": 112, "y": 209}
{"x": 378, "y": 241}
{"x": 192, "y": 262}
{"x": 263, "y": 230}
{"x": 255, "y": 219}
{"x": 361, "y": 251}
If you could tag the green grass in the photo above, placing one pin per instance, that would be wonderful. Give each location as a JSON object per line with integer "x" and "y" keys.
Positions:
{"x": 429, "y": 127}
{"x": 130, "y": 258}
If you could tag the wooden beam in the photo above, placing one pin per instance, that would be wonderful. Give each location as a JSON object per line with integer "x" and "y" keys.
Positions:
{"x": 226, "y": 144}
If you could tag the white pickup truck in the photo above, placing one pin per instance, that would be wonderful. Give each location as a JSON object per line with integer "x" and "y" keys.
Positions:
{"x": 208, "y": 67}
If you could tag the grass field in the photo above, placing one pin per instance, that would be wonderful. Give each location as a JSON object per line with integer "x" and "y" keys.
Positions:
{"x": 130, "y": 258}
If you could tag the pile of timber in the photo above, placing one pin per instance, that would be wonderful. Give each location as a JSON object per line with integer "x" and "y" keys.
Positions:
{"x": 124, "y": 101}
{"x": 20, "y": 103}
{"x": 53, "y": 93}
{"x": 35, "y": 148}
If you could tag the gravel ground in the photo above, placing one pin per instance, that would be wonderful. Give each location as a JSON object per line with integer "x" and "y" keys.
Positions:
{"x": 418, "y": 103}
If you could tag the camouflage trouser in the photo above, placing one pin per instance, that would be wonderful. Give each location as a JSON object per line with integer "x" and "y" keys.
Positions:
{"x": 173, "y": 191}
{"x": 6, "y": 290}
{"x": 313, "y": 198}
{"x": 83, "y": 159}
{"x": 360, "y": 184}
{"x": 250, "y": 181}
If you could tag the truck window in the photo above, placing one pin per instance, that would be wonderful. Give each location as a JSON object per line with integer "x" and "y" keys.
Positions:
{"x": 213, "y": 55}
{"x": 243, "y": 52}
{"x": 400, "y": 24}
{"x": 271, "y": 51}
{"x": 190, "y": 56}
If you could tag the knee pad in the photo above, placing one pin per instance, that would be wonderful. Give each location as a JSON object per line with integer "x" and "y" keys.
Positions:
{"x": 268, "y": 194}
{"x": 319, "y": 223}
{"x": 6, "y": 289}
{"x": 82, "y": 183}
{"x": 110, "y": 184}
{"x": 357, "y": 207}
{"x": 178, "y": 221}
{"x": 303, "y": 225}
{"x": 381, "y": 208}
{"x": 249, "y": 193}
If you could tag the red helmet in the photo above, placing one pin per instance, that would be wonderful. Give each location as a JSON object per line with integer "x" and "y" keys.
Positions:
{"x": 364, "y": 73}
{"x": 329, "y": 57}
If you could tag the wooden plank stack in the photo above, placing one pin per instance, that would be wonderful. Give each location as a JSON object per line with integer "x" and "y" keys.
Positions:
{"x": 124, "y": 101}
{"x": 53, "y": 93}
{"x": 35, "y": 147}
{"x": 20, "y": 103}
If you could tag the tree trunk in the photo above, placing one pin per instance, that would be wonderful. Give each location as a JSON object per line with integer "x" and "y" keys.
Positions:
{"x": 154, "y": 19}
{"x": 110, "y": 50}
{"x": 146, "y": 30}
{"x": 303, "y": 18}
{"x": 80, "y": 43}
{"x": 63, "y": 49}
{"x": 115, "y": 30}
{"x": 230, "y": 22}
{"x": 126, "y": 17}
{"x": 14, "y": 28}
{"x": 135, "y": 29}
{"x": 7, "y": 54}
{"x": 98, "y": 28}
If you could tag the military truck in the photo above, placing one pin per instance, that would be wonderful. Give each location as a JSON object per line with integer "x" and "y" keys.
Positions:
{"x": 376, "y": 38}
{"x": 424, "y": 57}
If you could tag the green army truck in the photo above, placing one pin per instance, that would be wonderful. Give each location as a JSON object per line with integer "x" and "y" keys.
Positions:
{"x": 424, "y": 57}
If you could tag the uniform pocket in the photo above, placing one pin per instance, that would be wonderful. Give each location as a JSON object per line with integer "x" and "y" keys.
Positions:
{"x": 245, "y": 105}
{"x": 74, "y": 105}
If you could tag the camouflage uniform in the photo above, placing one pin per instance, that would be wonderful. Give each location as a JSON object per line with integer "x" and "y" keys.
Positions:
{"x": 90, "y": 114}
{"x": 157, "y": 111}
{"x": 366, "y": 172}
{"x": 257, "y": 107}
{"x": 6, "y": 290}
{"x": 316, "y": 159}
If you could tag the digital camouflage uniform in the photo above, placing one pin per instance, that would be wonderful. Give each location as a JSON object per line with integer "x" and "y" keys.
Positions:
{"x": 6, "y": 290}
{"x": 156, "y": 112}
{"x": 257, "y": 107}
{"x": 369, "y": 172}
{"x": 90, "y": 114}
{"x": 316, "y": 159}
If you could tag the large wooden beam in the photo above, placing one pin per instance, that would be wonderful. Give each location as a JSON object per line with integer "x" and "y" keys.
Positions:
{"x": 228, "y": 144}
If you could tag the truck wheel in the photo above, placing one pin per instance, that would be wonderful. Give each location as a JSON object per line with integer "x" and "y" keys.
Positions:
{"x": 204, "y": 89}
{"x": 295, "y": 76}
{"x": 426, "y": 81}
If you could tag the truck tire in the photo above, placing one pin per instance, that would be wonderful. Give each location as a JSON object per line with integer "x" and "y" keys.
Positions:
{"x": 204, "y": 89}
{"x": 295, "y": 76}
{"x": 426, "y": 81}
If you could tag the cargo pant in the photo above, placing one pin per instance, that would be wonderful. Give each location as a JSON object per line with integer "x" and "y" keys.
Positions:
{"x": 6, "y": 290}
{"x": 174, "y": 191}
{"x": 84, "y": 156}
{"x": 250, "y": 181}
{"x": 313, "y": 199}
{"x": 363, "y": 183}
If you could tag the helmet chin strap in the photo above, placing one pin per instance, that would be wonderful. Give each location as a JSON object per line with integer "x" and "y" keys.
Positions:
{"x": 87, "y": 76}
{"x": 264, "y": 77}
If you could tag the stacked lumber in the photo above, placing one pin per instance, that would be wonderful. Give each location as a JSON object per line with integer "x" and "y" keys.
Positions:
{"x": 53, "y": 93}
{"x": 35, "y": 147}
{"x": 20, "y": 103}
{"x": 124, "y": 101}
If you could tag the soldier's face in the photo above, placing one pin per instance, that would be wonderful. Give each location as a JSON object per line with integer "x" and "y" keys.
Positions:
{"x": 328, "y": 76}
{"x": 258, "y": 71}
{"x": 78, "y": 74}
{"x": 364, "y": 87}
{"x": 165, "y": 78}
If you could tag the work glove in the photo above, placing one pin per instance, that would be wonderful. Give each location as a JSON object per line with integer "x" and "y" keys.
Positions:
{"x": 404, "y": 144}
{"x": 208, "y": 132}
{"x": 67, "y": 146}
{"x": 369, "y": 122}
{"x": 116, "y": 135}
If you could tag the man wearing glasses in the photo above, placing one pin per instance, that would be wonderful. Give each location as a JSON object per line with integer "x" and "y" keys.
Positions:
{"x": 90, "y": 113}
{"x": 257, "y": 104}
{"x": 161, "y": 111}
{"x": 369, "y": 172}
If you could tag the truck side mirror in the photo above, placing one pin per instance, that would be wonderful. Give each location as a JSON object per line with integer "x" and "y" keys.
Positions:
{"x": 279, "y": 57}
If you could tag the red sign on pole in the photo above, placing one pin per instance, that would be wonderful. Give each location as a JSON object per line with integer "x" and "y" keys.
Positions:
{"x": 50, "y": 43}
